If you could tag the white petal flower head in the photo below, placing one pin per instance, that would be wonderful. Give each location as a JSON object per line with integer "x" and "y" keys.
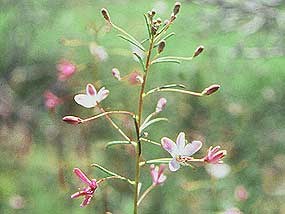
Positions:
{"x": 91, "y": 98}
{"x": 179, "y": 149}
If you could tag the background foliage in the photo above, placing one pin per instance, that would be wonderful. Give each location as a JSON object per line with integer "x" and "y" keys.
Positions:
{"x": 244, "y": 52}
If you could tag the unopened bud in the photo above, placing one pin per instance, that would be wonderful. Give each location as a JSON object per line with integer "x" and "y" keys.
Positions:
{"x": 211, "y": 89}
{"x": 116, "y": 73}
{"x": 158, "y": 21}
{"x": 160, "y": 105}
{"x": 72, "y": 120}
{"x": 152, "y": 12}
{"x": 106, "y": 15}
{"x": 198, "y": 51}
{"x": 166, "y": 22}
{"x": 173, "y": 17}
{"x": 176, "y": 8}
{"x": 139, "y": 79}
{"x": 161, "y": 46}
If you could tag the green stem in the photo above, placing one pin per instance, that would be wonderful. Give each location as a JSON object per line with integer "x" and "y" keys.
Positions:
{"x": 139, "y": 119}
{"x": 145, "y": 193}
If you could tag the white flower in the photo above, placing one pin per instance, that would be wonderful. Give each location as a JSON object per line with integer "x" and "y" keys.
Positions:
{"x": 179, "y": 149}
{"x": 91, "y": 98}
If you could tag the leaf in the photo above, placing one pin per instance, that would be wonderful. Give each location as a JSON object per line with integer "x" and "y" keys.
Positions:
{"x": 147, "y": 24}
{"x": 144, "y": 126}
{"x": 164, "y": 38}
{"x": 140, "y": 61}
{"x": 130, "y": 40}
{"x": 114, "y": 143}
{"x": 162, "y": 60}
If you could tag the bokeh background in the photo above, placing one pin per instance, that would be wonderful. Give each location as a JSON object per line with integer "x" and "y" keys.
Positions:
{"x": 244, "y": 52}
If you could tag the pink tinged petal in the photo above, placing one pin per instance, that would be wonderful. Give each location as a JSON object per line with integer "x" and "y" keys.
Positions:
{"x": 161, "y": 179}
{"x": 180, "y": 141}
{"x": 116, "y": 73}
{"x": 90, "y": 90}
{"x": 192, "y": 148}
{"x": 86, "y": 201}
{"x": 85, "y": 100}
{"x": 77, "y": 194}
{"x": 102, "y": 94}
{"x": 160, "y": 105}
{"x": 174, "y": 165}
{"x": 153, "y": 173}
{"x": 169, "y": 146}
{"x": 83, "y": 177}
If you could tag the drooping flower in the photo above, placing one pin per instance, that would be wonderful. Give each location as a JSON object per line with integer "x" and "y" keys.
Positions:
{"x": 116, "y": 73}
{"x": 51, "y": 100}
{"x": 179, "y": 149}
{"x": 88, "y": 191}
{"x": 91, "y": 98}
{"x": 215, "y": 155}
{"x": 160, "y": 105}
{"x": 65, "y": 69}
{"x": 157, "y": 174}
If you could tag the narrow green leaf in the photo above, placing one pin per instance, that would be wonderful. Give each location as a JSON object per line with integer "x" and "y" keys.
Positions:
{"x": 144, "y": 126}
{"x": 163, "y": 60}
{"x": 135, "y": 43}
{"x": 140, "y": 61}
{"x": 147, "y": 24}
{"x": 172, "y": 86}
{"x": 114, "y": 143}
{"x": 164, "y": 38}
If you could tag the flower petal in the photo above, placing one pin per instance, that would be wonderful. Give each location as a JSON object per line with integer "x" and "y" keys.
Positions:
{"x": 180, "y": 141}
{"x": 82, "y": 176}
{"x": 86, "y": 201}
{"x": 77, "y": 194}
{"x": 174, "y": 165}
{"x": 192, "y": 148}
{"x": 169, "y": 146}
{"x": 85, "y": 100}
{"x": 90, "y": 90}
{"x": 102, "y": 94}
{"x": 161, "y": 179}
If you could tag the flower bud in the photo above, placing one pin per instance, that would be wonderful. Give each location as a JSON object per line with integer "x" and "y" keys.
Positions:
{"x": 161, "y": 46}
{"x": 72, "y": 120}
{"x": 158, "y": 21}
{"x": 166, "y": 22}
{"x": 116, "y": 73}
{"x": 176, "y": 8}
{"x": 160, "y": 105}
{"x": 198, "y": 51}
{"x": 211, "y": 89}
{"x": 106, "y": 15}
{"x": 139, "y": 79}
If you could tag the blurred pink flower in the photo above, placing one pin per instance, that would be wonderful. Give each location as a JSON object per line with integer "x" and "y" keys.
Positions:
{"x": 88, "y": 191}
{"x": 116, "y": 73}
{"x": 241, "y": 193}
{"x": 135, "y": 78}
{"x": 65, "y": 69}
{"x": 91, "y": 98}
{"x": 160, "y": 105}
{"x": 215, "y": 155}
{"x": 51, "y": 100}
{"x": 179, "y": 149}
{"x": 157, "y": 174}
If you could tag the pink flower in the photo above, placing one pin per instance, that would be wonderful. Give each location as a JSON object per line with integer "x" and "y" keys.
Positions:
{"x": 215, "y": 155}
{"x": 88, "y": 191}
{"x": 51, "y": 100}
{"x": 241, "y": 193}
{"x": 135, "y": 78}
{"x": 91, "y": 98}
{"x": 160, "y": 105}
{"x": 179, "y": 149}
{"x": 65, "y": 70}
{"x": 157, "y": 174}
{"x": 116, "y": 73}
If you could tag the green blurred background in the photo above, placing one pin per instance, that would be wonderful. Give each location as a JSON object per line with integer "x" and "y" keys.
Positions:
{"x": 244, "y": 52}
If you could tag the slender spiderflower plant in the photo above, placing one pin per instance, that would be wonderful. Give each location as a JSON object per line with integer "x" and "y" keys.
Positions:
{"x": 147, "y": 52}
